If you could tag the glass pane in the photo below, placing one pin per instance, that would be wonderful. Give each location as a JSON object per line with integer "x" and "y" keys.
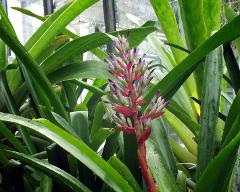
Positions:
{"x": 141, "y": 10}
{"x": 25, "y": 25}
{"x": 89, "y": 21}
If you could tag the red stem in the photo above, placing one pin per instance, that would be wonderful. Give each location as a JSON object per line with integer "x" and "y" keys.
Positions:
{"x": 147, "y": 175}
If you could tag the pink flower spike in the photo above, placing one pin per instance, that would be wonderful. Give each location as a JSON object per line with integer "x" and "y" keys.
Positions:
{"x": 140, "y": 101}
{"x": 123, "y": 110}
{"x": 144, "y": 136}
{"x": 119, "y": 75}
{"x": 129, "y": 66}
{"x": 126, "y": 129}
{"x": 144, "y": 118}
{"x": 127, "y": 90}
{"x": 159, "y": 114}
{"x": 138, "y": 76}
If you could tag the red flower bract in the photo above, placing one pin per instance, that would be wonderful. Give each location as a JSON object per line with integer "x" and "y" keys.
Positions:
{"x": 123, "y": 110}
{"x": 133, "y": 77}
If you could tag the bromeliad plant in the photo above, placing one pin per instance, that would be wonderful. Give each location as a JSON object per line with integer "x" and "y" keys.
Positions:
{"x": 49, "y": 142}
{"x": 133, "y": 77}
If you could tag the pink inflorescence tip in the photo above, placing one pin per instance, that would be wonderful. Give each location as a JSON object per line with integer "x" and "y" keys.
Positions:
{"x": 133, "y": 76}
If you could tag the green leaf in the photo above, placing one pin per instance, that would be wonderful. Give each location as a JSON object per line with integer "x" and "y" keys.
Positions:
{"x": 36, "y": 90}
{"x": 45, "y": 184}
{"x": 98, "y": 134}
{"x": 79, "y": 120}
{"x": 182, "y": 154}
{"x": 181, "y": 181}
{"x": 12, "y": 107}
{"x": 3, "y": 17}
{"x": 212, "y": 10}
{"x": 235, "y": 183}
{"x": 97, "y": 118}
{"x": 184, "y": 134}
{"x": 195, "y": 31}
{"x": 29, "y": 13}
{"x": 168, "y": 63}
{"x": 159, "y": 136}
{"x": 89, "y": 42}
{"x": 69, "y": 89}
{"x": 229, "y": 129}
{"x": 161, "y": 173}
{"x": 135, "y": 36}
{"x": 74, "y": 48}
{"x": 54, "y": 172}
{"x": 232, "y": 66}
{"x": 50, "y": 28}
{"x": 11, "y": 138}
{"x": 175, "y": 78}
{"x": 209, "y": 107}
{"x": 3, "y": 56}
{"x": 192, "y": 14}
{"x": 84, "y": 69}
{"x": 182, "y": 95}
{"x": 183, "y": 116}
{"x": 99, "y": 83}
{"x": 230, "y": 14}
{"x": 31, "y": 66}
{"x": 59, "y": 23}
{"x": 75, "y": 147}
{"x": 169, "y": 25}
{"x": 125, "y": 172}
{"x": 130, "y": 158}
{"x": 64, "y": 124}
{"x": 217, "y": 174}
{"x": 89, "y": 87}
{"x": 111, "y": 146}
{"x": 15, "y": 76}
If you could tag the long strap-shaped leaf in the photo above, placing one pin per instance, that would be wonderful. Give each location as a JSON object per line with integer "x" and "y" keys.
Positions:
{"x": 8, "y": 98}
{"x": 173, "y": 81}
{"x": 58, "y": 174}
{"x": 75, "y": 147}
{"x": 158, "y": 166}
{"x": 230, "y": 14}
{"x": 125, "y": 172}
{"x": 169, "y": 25}
{"x": 195, "y": 31}
{"x": 212, "y": 14}
{"x": 84, "y": 69}
{"x": 94, "y": 40}
{"x": 216, "y": 176}
{"x": 232, "y": 66}
{"x": 11, "y": 138}
{"x": 229, "y": 130}
{"x": 30, "y": 64}
{"x": 209, "y": 107}
{"x": 49, "y": 29}
{"x": 59, "y": 23}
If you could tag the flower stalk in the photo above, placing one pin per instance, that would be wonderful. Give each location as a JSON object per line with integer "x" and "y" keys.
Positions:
{"x": 133, "y": 75}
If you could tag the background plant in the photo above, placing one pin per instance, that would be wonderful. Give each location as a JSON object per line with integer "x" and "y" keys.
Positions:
{"x": 51, "y": 143}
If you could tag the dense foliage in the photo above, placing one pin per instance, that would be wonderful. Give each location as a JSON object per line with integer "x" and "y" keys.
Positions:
{"x": 50, "y": 142}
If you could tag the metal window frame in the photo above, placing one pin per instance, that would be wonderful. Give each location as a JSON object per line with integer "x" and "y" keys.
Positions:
{"x": 109, "y": 19}
{"x": 4, "y": 4}
{"x": 48, "y": 7}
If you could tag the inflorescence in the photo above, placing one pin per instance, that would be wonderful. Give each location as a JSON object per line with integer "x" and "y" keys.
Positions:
{"x": 133, "y": 75}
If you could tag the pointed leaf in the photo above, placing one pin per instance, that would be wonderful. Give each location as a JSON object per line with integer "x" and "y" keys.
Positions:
{"x": 75, "y": 147}
{"x": 58, "y": 174}
{"x": 175, "y": 78}
{"x": 209, "y": 107}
